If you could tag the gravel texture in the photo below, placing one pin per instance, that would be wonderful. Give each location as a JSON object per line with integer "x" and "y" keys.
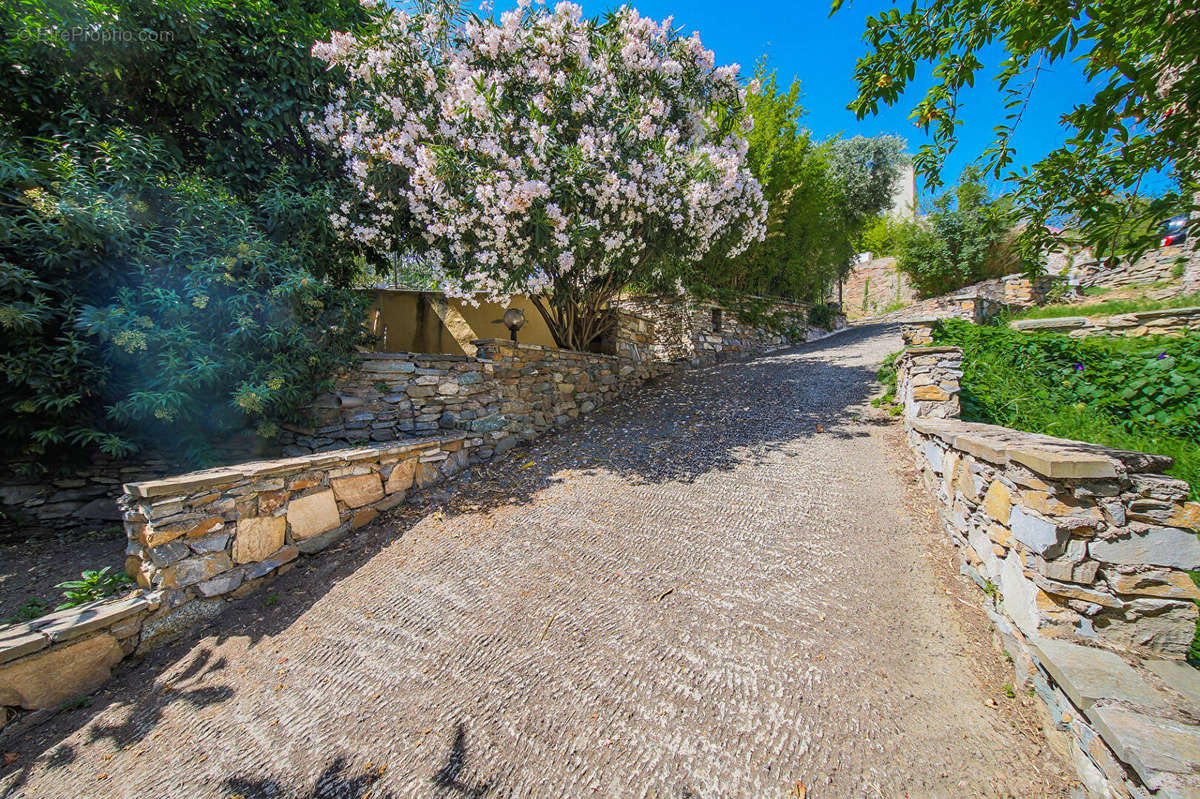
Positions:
{"x": 717, "y": 587}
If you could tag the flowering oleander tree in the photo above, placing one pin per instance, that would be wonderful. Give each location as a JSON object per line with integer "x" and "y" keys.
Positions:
{"x": 543, "y": 153}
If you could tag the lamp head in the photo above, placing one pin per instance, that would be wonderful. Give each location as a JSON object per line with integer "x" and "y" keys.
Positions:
{"x": 514, "y": 320}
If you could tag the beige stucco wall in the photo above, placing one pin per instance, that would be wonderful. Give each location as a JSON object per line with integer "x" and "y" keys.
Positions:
{"x": 408, "y": 321}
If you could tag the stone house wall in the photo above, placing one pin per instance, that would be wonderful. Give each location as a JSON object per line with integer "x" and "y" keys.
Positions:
{"x": 1084, "y": 552}
{"x": 1167, "y": 322}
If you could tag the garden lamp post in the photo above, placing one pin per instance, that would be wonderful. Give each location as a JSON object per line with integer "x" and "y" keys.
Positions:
{"x": 514, "y": 320}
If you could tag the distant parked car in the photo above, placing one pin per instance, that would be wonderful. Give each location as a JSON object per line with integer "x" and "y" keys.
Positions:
{"x": 1174, "y": 230}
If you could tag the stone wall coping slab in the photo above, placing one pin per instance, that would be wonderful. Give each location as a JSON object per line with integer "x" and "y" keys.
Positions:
{"x": 18, "y": 640}
{"x": 1180, "y": 677}
{"x": 228, "y": 475}
{"x": 66, "y": 624}
{"x": 1192, "y": 310}
{"x": 25, "y": 638}
{"x": 373, "y": 355}
{"x": 1046, "y": 455}
{"x": 1102, "y": 323}
{"x": 1053, "y": 323}
{"x": 504, "y": 343}
{"x": 916, "y": 352}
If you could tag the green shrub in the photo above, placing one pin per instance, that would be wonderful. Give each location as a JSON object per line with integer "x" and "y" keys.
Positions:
{"x": 963, "y": 239}
{"x": 1141, "y": 394}
{"x": 887, "y": 377}
{"x": 139, "y": 307}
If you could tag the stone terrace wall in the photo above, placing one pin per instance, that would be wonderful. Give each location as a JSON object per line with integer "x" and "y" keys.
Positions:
{"x": 506, "y": 393}
{"x": 200, "y": 539}
{"x": 1156, "y": 266}
{"x": 669, "y": 328}
{"x": 85, "y": 496}
{"x": 1167, "y": 322}
{"x": 397, "y": 396}
{"x": 1084, "y": 551}
{"x": 872, "y": 286}
{"x": 978, "y": 302}
{"x": 538, "y": 388}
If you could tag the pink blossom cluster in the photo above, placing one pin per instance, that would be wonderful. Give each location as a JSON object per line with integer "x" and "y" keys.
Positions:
{"x": 541, "y": 147}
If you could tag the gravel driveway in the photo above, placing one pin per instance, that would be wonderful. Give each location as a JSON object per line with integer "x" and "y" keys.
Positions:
{"x": 722, "y": 586}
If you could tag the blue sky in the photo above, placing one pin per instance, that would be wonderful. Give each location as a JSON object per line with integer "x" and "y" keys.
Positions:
{"x": 800, "y": 39}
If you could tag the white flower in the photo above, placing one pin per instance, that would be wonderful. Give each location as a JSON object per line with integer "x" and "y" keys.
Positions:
{"x": 484, "y": 132}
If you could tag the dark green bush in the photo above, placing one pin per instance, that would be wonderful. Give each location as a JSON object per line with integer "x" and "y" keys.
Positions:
{"x": 168, "y": 272}
{"x": 140, "y": 308}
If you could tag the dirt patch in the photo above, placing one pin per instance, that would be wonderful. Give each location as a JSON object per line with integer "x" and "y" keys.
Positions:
{"x": 30, "y": 568}
{"x": 1014, "y": 707}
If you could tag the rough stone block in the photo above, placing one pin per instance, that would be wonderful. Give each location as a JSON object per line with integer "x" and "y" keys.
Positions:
{"x": 258, "y": 537}
{"x": 1088, "y": 675}
{"x": 274, "y": 561}
{"x": 271, "y": 501}
{"x": 363, "y": 517}
{"x": 211, "y": 543}
{"x": 222, "y": 583}
{"x": 929, "y": 393}
{"x": 319, "y": 542}
{"x": 1041, "y": 535}
{"x": 997, "y": 502}
{"x": 172, "y": 624}
{"x": 1185, "y": 515}
{"x": 311, "y": 515}
{"x": 193, "y": 570}
{"x": 1161, "y": 625}
{"x": 164, "y": 555}
{"x": 358, "y": 491}
{"x": 1158, "y": 546}
{"x": 47, "y": 679}
{"x": 1165, "y": 583}
{"x": 401, "y": 477}
{"x": 1079, "y": 592}
{"x": 1155, "y": 748}
{"x": 427, "y": 474}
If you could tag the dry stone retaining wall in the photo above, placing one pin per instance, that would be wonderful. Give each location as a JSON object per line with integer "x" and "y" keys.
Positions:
{"x": 669, "y": 328}
{"x": 1086, "y": 552}
{"x": 392, "y": 396}
{"x": 505, "y": 393}
{"x": 1166, "y": 322}
{"x": 1157, "y": 266}
{"x": 872, "y": 286}
{"x": 197, "y": 540}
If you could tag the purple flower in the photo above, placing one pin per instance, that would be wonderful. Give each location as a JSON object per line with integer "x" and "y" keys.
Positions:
{"x": 1161, "y": 355}
{"x": 1078, "y": 367}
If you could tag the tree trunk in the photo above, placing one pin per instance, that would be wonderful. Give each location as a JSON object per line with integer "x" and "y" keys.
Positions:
{"x": 573, "y": 325}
